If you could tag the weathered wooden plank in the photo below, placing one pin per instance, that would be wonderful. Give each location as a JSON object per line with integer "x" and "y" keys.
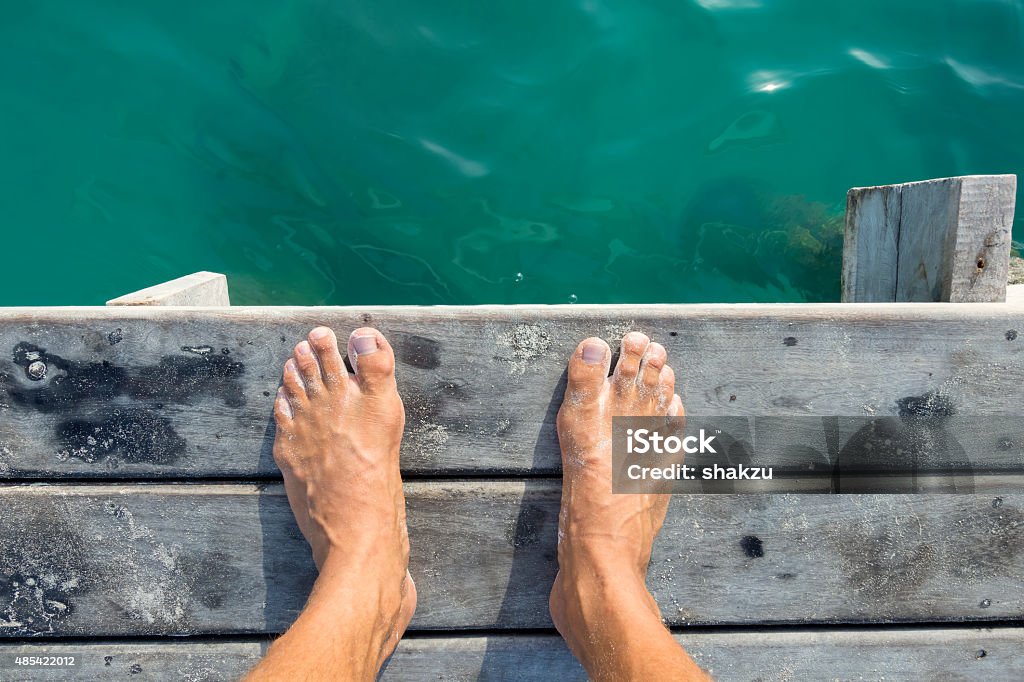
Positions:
{"x": 187, "y": 661}
{"x": 980, "y": 256}
{"x": 991, "y": 654}
{"x": 938, "y": 240}
{"x": 106, "y": 560}
{"x": 929, "y": 221}
{"x": 189, "y": 393}
{"x": 870, "y": 244}
{"x": 202, "y": 289}
{"x": 940, "y": 654}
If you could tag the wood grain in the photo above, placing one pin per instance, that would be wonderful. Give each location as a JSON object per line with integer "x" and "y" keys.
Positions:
{"x": 980, "y": 256}
{"x": 201, "y": 289}
{"x": 946, "y": 239}
{"x": 175, "y": 393}
{"x": 911, "y": 655}
{"x": 929, "y": 222}
{"x": 111, "y": 560}
{"x": 870, "y": 244}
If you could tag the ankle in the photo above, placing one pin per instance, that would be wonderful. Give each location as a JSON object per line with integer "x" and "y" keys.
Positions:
{"x": 586, "y": 606}
{"x": 368, "y": 591}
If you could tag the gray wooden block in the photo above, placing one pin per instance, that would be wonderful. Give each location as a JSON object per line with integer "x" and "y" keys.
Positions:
{"x": 870, "y": 244}
{"x": 910, "y": 654}
{"x": 113, "y": 560}
{"x": 980, "y": 261}
{"x": 929, "y": 222}
{"x": 937, "y": 240}
{"x": 200, "y": 289}
{"x": 181, "y": 393}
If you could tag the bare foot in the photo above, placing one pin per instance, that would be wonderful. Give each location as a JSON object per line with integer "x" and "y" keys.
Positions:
{"x": 600, "y": 533}
{"x": 337, "y": 443}
{"x": 599, "y": 602}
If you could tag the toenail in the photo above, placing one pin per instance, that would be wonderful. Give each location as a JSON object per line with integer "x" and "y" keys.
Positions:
{"x": 593, "y": 353}
{"x": 319, "y": 333}
{"x": 303, "y": 349}
{"x": 364, "y": 345}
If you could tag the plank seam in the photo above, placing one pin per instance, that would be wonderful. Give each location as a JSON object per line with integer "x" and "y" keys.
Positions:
{"x": 738, "y": 629}
{"x": 899, "y": 232}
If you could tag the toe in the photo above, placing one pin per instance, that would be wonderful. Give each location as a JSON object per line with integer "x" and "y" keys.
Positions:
{"x": 588, "y": 368}
{"x": 282, "y": 409}
{"x": 634, "y": 344}
{"x": 309, "y": 367}
{"x": 325, "y": 346}
{"x": 675, "y": 408}
{"x": 676, "y": 416}
{"x": 666, "y": 385}
{"x": 294, "y": 388}
{"x": 372, "y": 358}
{"x": 650, "y": 366}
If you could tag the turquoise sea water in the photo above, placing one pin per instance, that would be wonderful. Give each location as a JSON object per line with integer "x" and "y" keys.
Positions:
{"x": 392, "y": 151}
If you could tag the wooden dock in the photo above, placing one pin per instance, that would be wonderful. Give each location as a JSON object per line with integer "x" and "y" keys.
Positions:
{"x": 144, "y": 530}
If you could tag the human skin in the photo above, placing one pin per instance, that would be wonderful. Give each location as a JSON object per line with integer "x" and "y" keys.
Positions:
{"x": 599, "y": 602}
{"x": 338, "y": 436}
{"x": 337, "y": 445}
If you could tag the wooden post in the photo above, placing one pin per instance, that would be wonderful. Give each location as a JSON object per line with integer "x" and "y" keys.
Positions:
{"x": 200, "y": 289}
{"x": 938, "y": 240}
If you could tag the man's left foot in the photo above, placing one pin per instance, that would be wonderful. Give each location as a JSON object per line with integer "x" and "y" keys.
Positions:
{"x": 337, "y": 443}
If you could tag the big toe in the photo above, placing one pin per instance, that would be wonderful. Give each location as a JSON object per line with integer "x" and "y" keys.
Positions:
{"x": 588, "y": 368}
{"x": 372, "y": 358}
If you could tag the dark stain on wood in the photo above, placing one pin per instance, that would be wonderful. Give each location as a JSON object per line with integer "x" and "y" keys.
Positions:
{"x": 932, "y": 407}
{"x": 43, "y": 567}
{"x": 30, "y": 606}
{"x": 455, "y": 388}
{"x": 210, "y": 577}
{"x": 133, "y": 434}
{"x": 884, "y": 564}
{"x": 53, "y": 384}
{"x": 752, "y": 546}
{"x": 417, "y": 351}
{"x": 177, "y": 379}
{"x": 988, "y": 545}
{"x": 905, "y": 446}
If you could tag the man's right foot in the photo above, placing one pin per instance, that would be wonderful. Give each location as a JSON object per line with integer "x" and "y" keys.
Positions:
{"x": 337, "y": 444}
